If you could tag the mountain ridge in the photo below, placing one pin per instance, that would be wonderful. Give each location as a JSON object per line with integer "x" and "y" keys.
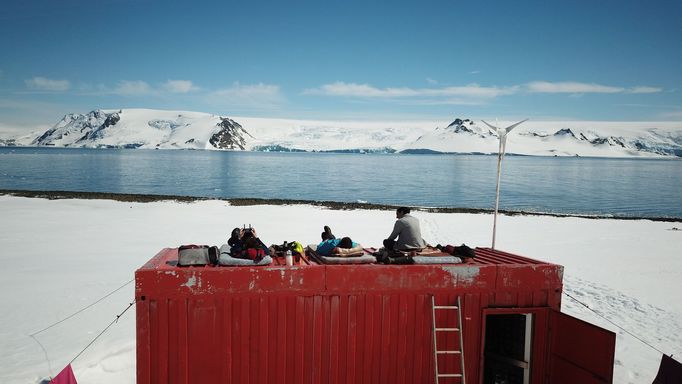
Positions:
{"x": 160, "y": 129}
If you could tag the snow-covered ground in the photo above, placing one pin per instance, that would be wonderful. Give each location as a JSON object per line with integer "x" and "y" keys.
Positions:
{"x": 61, "y": 255}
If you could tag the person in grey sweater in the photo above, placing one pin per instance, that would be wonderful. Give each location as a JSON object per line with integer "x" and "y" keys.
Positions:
{"x": 407, "y": 230}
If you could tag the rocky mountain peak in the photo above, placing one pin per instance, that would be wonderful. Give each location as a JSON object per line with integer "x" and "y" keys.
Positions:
{"x": 468, "y": 126}
{"x": 565, "y": 132}
{"x": 229, "y": 136}
{"x": 75, "y": 128}
{"x": 460, "y": 125}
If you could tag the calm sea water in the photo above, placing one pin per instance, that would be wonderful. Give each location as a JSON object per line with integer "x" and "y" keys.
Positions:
{"x": 621, "y": 187}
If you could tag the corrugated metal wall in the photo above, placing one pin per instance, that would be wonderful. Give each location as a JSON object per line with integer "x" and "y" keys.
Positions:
{"x": 370, "y": 338}
{"x": 355, "y": 338}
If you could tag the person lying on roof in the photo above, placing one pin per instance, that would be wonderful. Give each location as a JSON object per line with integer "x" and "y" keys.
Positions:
{"x": 330, "y": 245}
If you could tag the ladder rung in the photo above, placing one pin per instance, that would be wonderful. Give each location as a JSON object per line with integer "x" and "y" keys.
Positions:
{"x": 449, "y": 352}
{"x": 445, "y": 307}
{"x": 447, "y": 329}
{"x": 449, "y": 375}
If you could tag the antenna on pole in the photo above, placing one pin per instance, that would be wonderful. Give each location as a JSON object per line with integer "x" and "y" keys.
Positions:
{"x": 502, "y": 134}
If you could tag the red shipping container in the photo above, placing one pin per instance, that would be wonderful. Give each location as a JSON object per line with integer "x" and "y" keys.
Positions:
{"x": 362, "y": 324}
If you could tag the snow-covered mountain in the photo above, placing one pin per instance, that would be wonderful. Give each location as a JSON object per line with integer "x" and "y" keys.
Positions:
{"x": 145, "y": 128}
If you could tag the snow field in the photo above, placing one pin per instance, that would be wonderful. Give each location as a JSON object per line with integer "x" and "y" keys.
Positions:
{"x": 61, "y": 255}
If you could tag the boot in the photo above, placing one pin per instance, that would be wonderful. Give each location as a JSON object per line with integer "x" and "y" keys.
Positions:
{"x": 328, "y": 231}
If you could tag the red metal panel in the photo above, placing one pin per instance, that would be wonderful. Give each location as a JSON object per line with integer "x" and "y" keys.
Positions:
{"x": 471, "y": 323}
{"x": 175, "y": 349}
{"x": 318, "y": 322}
{"x": 408, "y": 343}
{"x": 308, "y": 345}
{"x": 378, "y": 351}
{"x": 580, "y": 352}
{"x": 264, "y": 331}
{"x": 229, "y": 359}
{"x": 529, "y": 276}
{"x": 416, "y": 278}
{"x": 202, "y": 326}
{"x": 143, "y": 343}
{"x": 490, "y": 256}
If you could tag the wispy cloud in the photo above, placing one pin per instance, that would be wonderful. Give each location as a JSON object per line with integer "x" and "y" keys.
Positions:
{"x": 570, "y": 87}
{"x": 340, "y": 88}
{"x": 574, "y": 87}
{"x": 645, "y": 90}
{"x": 474, "y": 72}
{"x": 367, "y": 91}
{"x": 179, "y": 86}
{"x": 249, "y": 90}
{"x": 139, "y": 88}
{"x": 471, "y": 94}
{"x": 130, "y": 88}
{"x": 671, "y": 115}
{"x": 40, "y": 83}
{"x": 428, "y": 80}
{"x": 248, "y": 95}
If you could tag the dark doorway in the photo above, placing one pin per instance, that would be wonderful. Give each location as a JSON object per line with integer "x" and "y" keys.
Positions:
{"x": 507, "y": 348}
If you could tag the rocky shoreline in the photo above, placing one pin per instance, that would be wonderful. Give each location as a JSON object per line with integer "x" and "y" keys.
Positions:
{"x": 335, "y": 205}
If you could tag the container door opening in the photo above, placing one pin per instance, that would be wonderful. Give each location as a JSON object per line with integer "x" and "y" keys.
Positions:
{"x": 507, "y": 349}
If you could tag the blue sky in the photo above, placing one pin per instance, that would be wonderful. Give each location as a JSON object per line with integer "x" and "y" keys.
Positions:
{"x": 337, "y": 60}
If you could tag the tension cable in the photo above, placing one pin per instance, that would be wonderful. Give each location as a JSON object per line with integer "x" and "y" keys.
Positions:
{"x": 104, "y": 330}
{"x": 81, "y": 310}
{"x": 619, "y": 327}
{"x": 47, "y": 358}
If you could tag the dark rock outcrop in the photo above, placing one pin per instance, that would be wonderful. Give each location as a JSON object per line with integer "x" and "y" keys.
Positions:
{"x": 230, "y": 135}
{"x": 565, "y": 132}
{"x": 467, "y": 126}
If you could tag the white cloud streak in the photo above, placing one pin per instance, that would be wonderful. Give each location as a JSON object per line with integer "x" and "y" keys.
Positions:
{"x": 44, "y": 84}
{"x": 249, "y": 91}
{"x": 248, "y": 95}
{"x": 472, "y": 94}
{"x": 580, "y": 88}
{"x": 671, "y": 115}
{"x": 179, "y": 86}
{"x": 645, "y": 90}
{"x": 340, "y": 88}
{"x": 138, "y": 88}
{"x": 570, "y": 87}
{"x": 131, "y": 88}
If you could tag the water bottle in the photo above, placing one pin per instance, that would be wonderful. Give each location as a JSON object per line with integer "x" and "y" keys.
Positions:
{"x": 288, "y": 258}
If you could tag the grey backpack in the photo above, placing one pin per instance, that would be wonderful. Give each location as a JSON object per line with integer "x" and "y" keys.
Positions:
{"x": 197, "y": 255}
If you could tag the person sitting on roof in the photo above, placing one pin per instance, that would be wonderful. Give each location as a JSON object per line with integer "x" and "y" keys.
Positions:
{"x": 331, "y": 245}
{"x": 245, "y": 244}
{"x": 408, "y": 232}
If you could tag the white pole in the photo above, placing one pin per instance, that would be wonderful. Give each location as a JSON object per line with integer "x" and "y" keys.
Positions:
{"x": 502, "y": 134}
{"x": 497, "y": 189}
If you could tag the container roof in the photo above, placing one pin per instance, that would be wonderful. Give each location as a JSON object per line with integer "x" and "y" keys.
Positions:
{"x": 167, "y": 259}
{"x": 490, "y": 270}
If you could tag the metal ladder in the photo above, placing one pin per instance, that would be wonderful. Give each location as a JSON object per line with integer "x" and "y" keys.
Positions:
{"x": 458, "y": 330}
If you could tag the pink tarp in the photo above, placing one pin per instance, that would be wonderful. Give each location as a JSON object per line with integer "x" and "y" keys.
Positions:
{"x": 65, "y": 376}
